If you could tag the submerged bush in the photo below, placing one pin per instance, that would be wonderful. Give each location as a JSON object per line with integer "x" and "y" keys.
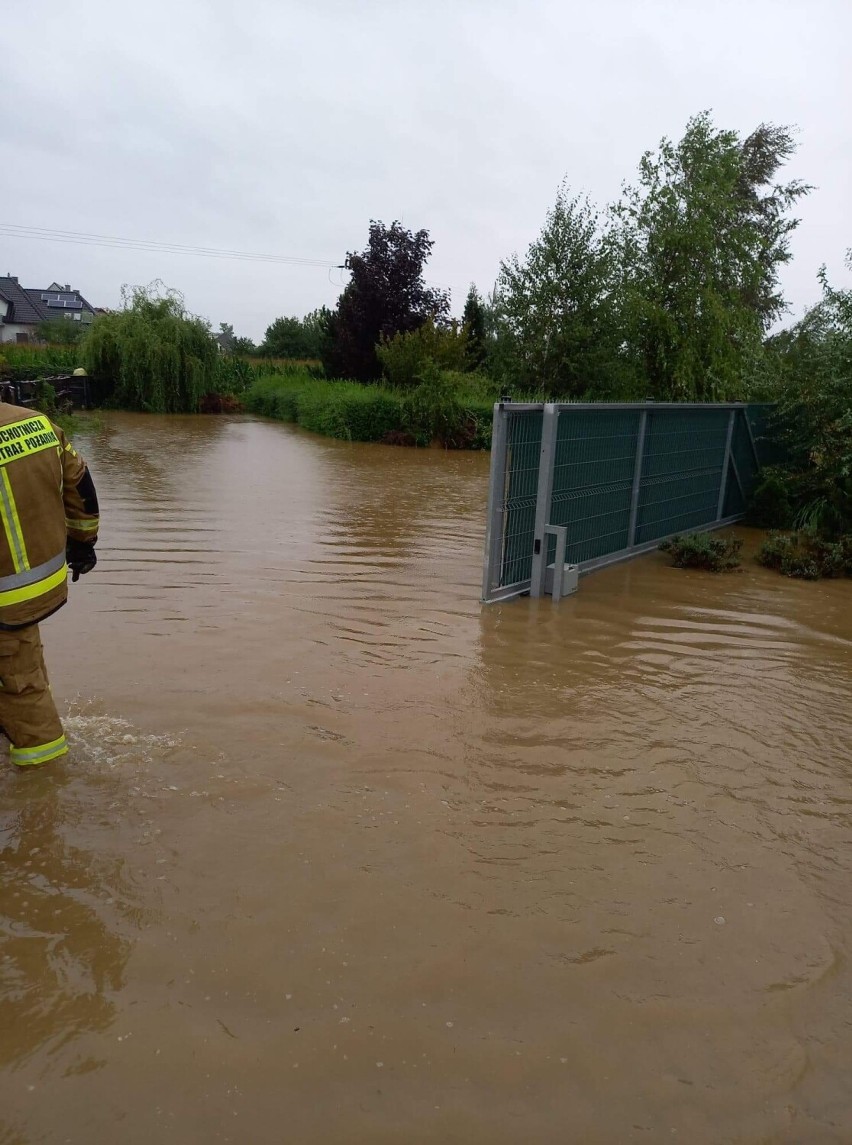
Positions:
{"x": 704, "y": 551}
{"x": 437, "y": 410}
{"x": 344, "y": 410}
{"x": 806, "y": 556}
{"x": 348, "y": 410}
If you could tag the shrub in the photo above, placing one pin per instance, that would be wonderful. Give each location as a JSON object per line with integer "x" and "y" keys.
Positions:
{"x": 704, "y": 551}
{"x": 479, "y": 417}
{"x": 348, "y": 410}
{"x": 25, "y": 363}
{"x": 272, "y": 397}
{"x": 344, "y": 410}
{"x": 405, "y": 356}
{"x": 806, "y": 556}
{"x": 44, "y": 398}
{"x": 432, "y": 410}
{"x": 355, "y": 412}
{"x": 770, "y": 506}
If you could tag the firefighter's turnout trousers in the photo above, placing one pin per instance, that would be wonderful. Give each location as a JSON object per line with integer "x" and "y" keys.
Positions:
{"x": 27, "y": 712}
{"x": 46, "y": 497}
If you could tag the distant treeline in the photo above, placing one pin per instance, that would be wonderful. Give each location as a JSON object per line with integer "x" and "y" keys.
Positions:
{"x": 668, "y": 294}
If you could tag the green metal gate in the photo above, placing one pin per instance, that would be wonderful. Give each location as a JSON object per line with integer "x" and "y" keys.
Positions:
{"x": 612, "y": 481}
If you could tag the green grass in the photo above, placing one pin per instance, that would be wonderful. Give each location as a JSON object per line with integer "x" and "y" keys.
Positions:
{"x": 24, "y": 362}
{"x": 353, "y": 412}
{"x": 335, "y": 409}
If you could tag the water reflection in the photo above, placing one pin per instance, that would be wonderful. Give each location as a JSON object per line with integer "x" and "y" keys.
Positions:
{"x": 62, "y": 956}
{"x": 584, "y": 865}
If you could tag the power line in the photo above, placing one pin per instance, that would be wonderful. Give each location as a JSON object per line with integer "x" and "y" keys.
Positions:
{"x": 112, "y": 242}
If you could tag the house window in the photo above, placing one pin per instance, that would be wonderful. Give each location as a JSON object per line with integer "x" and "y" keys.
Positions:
{"x": 22, "y": 337}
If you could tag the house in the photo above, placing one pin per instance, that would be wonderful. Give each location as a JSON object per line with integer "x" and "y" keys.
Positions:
{"x": 23, "y": 309}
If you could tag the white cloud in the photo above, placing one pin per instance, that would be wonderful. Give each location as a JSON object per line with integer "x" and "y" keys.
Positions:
{"x": 284, "y": 127}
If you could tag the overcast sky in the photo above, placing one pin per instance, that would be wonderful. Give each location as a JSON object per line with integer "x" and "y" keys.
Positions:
{"x": 282, "y": 127}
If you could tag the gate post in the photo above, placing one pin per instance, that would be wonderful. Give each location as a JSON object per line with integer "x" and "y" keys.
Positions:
{"x": 547, "y": 457}
{"x": 637, "y": 478}
{"x": 726, "y": 465}
{"x": 496, "y": 521}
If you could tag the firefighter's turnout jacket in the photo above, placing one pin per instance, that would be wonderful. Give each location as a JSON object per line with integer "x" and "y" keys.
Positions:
{"x": 46, "y": 497}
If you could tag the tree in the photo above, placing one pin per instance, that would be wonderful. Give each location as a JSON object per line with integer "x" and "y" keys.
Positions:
{"x": 702, "y": 238}
{"x": 815, "y": 409}
{"x": 296, "y": 337}
{"x": 473, "y": 323}
{"x": 386, "y": 295}
{"x": 284, "y": 338}
{"x": 152, "y": 355}
{"x": 315, "y": 326}
{"x": 226, "y": 336}
{"x": 404, "y": 357}
{"x": 556, "y": 310}
{"x": 232, "y": 343}
{"x": 60, "y": 331}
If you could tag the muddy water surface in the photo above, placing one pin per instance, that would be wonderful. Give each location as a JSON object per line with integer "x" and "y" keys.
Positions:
{"x": 343, "y": 856}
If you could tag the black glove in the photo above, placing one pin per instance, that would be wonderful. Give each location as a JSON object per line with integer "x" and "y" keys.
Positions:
{"x": 80, "y": 557}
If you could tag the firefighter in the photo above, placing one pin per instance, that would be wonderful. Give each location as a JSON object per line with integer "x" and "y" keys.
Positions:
{"x": 49, "y": 516}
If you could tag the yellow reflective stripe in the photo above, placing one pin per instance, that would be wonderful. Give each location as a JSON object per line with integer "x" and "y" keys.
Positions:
{"x": 89, "y": 526}
{"x": 30, "y": 591}
{"x": 32, "y": 576}
{"x": 12, "y": 524}
{"x": 23, "y": 438}
{"x": 44, "y": 753}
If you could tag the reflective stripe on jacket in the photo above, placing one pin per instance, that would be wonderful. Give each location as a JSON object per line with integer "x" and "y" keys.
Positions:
{"x": 46, "y": 496}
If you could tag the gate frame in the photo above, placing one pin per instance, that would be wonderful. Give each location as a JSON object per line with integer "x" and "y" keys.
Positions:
{"x": 535, "y": 585}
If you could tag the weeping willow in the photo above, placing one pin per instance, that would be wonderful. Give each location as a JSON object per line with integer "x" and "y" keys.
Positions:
{"x": 152, "y": 355}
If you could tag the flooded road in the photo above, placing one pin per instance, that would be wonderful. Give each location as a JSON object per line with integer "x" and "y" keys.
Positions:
{"x": 342, "y": 856}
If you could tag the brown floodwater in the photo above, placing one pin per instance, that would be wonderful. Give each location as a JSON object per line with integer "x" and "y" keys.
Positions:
{"x": 343, "y": 856}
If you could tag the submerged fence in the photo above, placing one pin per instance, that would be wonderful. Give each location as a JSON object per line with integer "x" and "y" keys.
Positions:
{"x": 605, "y": 482}
{"x": 68, "y": 389}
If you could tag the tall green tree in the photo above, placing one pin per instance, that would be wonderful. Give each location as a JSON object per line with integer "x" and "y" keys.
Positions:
{"x": 703, "y": 236}
{"x": 814, "y": 398}
{"x": 386, "y": 295}
{"x": 556, "y": 309}
{"x": 284, "y": 338}
{"x": 152, "y": 355}
{"x": 296, "y": 337}
{"x": 474, "y": 326}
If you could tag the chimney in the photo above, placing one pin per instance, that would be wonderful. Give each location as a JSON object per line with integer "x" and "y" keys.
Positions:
{"x": 68, "y": 288}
